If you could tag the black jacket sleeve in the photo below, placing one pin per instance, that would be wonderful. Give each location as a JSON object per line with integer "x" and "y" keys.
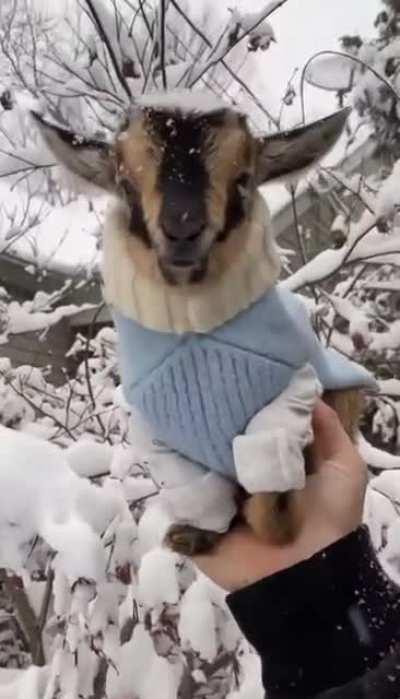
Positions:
{"x": 381, "y": 683}
{"x": 332, "y": 621}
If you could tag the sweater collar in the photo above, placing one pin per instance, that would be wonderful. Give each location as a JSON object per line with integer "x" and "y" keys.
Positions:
{"x": 241, "y": 270}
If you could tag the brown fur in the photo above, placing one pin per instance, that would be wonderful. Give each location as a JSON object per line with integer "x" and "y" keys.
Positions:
{"x": 349, "y": 406}
{"x": 231, "y": 153}
{"x": 138, "y": 160}
{"x": 276, "y": 517}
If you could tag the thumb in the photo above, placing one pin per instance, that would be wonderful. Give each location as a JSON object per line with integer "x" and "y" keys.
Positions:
{"x": 331, "y": 442}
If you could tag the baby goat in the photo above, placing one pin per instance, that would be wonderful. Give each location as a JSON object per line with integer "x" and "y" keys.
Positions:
{"x": 209, "y": 343}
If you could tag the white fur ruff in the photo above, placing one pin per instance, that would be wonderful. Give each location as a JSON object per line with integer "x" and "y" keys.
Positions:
{"x": 230, "y": 287}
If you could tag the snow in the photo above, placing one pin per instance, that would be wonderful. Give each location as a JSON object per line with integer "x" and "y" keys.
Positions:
{"x": 206, "y": 501}
{"x": 260, "y": 32}
{"x": 153, "y": 527}
{"x": 358, "y": 319}
{"x": 122, "y": 460}
{"x": 389, "y": 194}
{"x": 389, "y": 340}
{"x": 80, "y": 553}
{"x": 138, "y": 489}
{"x": 197, "y": 621}
{"x": 23, "y": 319}
{"x": 29, "y": 684}
{"x": 363, "y": 243}
{"x": 390, "y": 387}
{"x": 388, "y": 484}
{"x": 141, "y": 672}
{"x": 252, "y": 21}
{"x": 158, "y": 580}
{"x": 40, "y": 495}
{"x": 89, "y": 459}
{"x": 185, "y": 101}
{"x": 251, "y": 670}
{"x": 393, "y": 285}
{"x": 164, "y": 675}
{"x": 376, "y": 457}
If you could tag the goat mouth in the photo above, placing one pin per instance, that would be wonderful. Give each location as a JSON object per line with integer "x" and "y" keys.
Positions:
{"x": 180, "y": 272}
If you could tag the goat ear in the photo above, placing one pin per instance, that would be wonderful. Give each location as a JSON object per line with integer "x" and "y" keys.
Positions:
{"x": 85, "y": 157}
{"x": 290, "y": 152}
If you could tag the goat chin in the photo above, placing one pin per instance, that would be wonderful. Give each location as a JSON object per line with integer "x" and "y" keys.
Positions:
{"x": 277, "y": 517}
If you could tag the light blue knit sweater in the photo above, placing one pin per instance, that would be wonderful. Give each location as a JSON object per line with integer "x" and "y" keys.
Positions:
{"x": 199, "y": 391}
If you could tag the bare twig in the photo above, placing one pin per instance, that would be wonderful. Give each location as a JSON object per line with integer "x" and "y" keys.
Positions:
{"x": 227, "y": 67}
{"x": 299, "y": 238}
{"x": 15, "y": 591}
{"x": 218, "y": 58}
{"x": 146, "y": 20}
{"x": 345, "y": 185}
{"x": 107, "y": 42}
{"x": 87, "y": 370}
{"x": 36, "y": 407}
{"x": 44, "y": 610}
{"x": 162, "y": 43}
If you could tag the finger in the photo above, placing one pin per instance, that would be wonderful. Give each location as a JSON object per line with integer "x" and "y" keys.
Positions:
{"x": 331, "y": 442}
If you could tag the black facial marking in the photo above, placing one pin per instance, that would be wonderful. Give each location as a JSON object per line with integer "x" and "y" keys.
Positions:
{"x": 183, "y": 163}
{"x": 183, "y": 178}
{"x": 236, "y": 209}
{"x": 137, "y": 226}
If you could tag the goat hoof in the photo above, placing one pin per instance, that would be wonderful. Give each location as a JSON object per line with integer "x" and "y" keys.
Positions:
{"x": 189, "y": 541}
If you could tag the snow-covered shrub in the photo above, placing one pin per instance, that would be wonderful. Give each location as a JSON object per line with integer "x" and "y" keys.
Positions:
{"x": 102, "y": 607}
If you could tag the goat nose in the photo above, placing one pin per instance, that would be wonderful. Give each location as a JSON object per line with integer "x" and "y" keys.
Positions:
{"x": 183, "y": 228}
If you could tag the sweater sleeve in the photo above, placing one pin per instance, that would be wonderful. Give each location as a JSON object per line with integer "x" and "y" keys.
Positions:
{"x": 322, "y": 623}
{"x": 269, "y": 457}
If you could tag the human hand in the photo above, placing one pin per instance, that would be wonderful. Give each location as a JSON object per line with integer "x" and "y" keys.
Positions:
{"x": 331, "y": 505}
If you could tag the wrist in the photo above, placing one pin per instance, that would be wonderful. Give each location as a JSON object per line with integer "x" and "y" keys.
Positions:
{"x": 267, "y": 562}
